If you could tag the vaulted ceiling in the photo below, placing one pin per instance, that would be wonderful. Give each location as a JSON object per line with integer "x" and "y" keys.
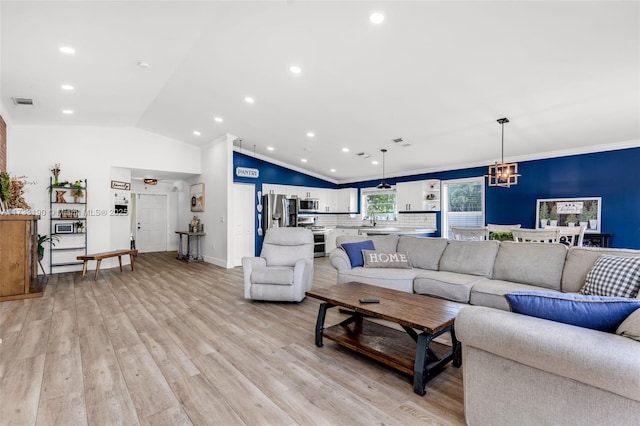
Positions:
{"x": 437, "y": 74}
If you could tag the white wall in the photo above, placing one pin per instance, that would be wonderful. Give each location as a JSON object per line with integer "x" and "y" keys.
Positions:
{"x": 91, "y": 152}
{"x": 217, "y": 175}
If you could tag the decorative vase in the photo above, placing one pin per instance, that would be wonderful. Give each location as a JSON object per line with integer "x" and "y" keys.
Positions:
{"x": 553, "y": 222}
{"x": 543, "y": 223}
{"x": 593, "y": 224}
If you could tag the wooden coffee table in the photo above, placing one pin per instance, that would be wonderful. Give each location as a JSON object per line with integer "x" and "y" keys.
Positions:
{"x": 412, "y": 352}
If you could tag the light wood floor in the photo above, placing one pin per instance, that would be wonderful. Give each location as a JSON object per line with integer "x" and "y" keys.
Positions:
{"x": 174, "y": 343}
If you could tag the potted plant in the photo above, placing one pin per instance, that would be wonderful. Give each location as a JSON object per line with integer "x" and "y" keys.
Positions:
{"x": 592, "y": 216}
{"x": 502, "y": 236}
{"x": 5, "y": 190}
{"x": 76, "y": 192}
{"x": 12, "y": 189}
{"x": 544, "y": 214}
{"x": 553, "y": 216}
{"x": 583, "y": 219}
{"x": 571, "y": 220}
{"x": 44, "y": 239}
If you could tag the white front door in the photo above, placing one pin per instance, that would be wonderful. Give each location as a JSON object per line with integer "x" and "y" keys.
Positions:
{"x": 243, "y": 238}
{"x": 151, "y": 221}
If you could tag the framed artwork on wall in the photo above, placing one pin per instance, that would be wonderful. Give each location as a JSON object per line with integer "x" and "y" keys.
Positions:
{"x": 569, "y": 212}
{"x": 197, "y": 197}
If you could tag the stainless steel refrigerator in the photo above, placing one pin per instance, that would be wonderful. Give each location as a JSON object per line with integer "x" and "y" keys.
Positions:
{"x": 279, "y": 211}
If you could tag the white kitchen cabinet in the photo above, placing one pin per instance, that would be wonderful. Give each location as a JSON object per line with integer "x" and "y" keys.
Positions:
{"x": 410, "y": 196}
{"x": 346, "y": 200}
{"x": 270, "y": 188}
{"x": 327, "y": 200}
{"x": 333, "y": 234}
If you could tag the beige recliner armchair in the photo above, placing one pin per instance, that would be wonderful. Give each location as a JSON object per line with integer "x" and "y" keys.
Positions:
{"x": 284, "y": 270}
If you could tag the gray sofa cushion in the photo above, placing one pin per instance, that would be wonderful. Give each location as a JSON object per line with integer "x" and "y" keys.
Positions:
{"x": 491, "y": 293}
{"x": 530, "y": 263}
{"x": 397, "y": 279}
{"x": 447, "y": 285}
{"x": 579, "y": 262}
{"x": 386, "y": 243}
{"x": 470, "y": 257}
{"x": 424, "y": 253}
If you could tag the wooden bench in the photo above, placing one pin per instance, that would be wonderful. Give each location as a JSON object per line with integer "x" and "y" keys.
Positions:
{"x": 106, "y": 255}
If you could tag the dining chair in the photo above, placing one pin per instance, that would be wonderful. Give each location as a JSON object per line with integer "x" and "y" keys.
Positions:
{"x": 467, "y": 233}
{"x": 547, "y": 235}
{"x": 572, "y": 235}
{"x": 492, "y": 227}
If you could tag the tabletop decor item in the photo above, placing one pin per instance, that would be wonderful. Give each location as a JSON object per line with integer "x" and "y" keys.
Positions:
{"x": 56, "y": 173}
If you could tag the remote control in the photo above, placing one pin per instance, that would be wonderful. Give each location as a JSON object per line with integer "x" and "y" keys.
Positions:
{"x": 369, "y": 300}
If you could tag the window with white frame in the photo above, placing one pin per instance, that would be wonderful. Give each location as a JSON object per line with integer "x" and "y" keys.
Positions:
{"x": 462, "y": 204}
{"x": 378, "y": 204}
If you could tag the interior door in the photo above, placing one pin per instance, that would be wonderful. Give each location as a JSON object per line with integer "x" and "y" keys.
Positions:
{"x": 244, "y": 222}
{"x": 151, "y": 223}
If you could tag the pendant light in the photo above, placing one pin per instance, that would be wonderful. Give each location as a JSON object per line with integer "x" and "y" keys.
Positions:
{"x": 383, "y": 184}
{"x": 503, "y": 174}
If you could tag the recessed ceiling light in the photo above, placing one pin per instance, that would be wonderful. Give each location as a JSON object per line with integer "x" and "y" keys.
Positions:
{"x": 143, "y": 64}
{"x": 374, "y": 162}
{"x": 295, "y": 69}
{"x": 66, "y": 87}
{"x": 67, "y": 111}
{"x": 249, "y": 100}
{"x": 345, "y": 149}
{"x": 197, "y": 133}
{"x": 332, "y": 170}
{"x": 270, "y": 148}
{"x": 304, "y": 160}
{"x": 218, "y": 119}
{"x": 68, "y": 50}
{"x": 376, "y": 17}
{"x": 310, "y": 134}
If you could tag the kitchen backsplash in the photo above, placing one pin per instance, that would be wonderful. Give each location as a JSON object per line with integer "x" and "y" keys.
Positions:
{"x": 412, "y": 220}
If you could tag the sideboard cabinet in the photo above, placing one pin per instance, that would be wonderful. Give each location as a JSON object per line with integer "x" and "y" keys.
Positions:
{"x": 19, "y": 257}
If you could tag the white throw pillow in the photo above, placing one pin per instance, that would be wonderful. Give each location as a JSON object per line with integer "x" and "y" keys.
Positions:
{"x": 631, "y": 326}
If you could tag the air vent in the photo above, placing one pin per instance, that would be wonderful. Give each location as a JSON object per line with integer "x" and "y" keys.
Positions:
{"x": 23, "y": 101}
{"x": 363, "y": 155}
{"x": 401, "y": 142}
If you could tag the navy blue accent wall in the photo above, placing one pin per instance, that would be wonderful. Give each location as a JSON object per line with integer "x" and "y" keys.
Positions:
{"x": 272, "y": 173}
{"x": 612, "y": 175}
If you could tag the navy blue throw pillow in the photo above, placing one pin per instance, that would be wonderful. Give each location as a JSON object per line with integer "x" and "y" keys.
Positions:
{"x": 597, "y": 312}
{"x": 354, "y": 251}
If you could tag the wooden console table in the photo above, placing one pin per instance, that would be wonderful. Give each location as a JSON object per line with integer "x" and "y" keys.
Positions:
{"x": 596, "y": 240}
{"x": 188, "y": 256}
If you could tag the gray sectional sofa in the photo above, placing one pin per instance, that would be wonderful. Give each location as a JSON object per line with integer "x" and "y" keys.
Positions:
{"x": 474, "y": 272}
{"x": 517, "y": 369}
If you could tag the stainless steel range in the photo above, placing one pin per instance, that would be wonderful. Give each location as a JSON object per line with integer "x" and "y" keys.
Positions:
{"x": 319, "y": 238}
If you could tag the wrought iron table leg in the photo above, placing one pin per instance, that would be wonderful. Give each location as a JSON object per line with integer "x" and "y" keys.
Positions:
{"x": 322, "y": 312}
{"x": 420, "y": 364}
{"x": 456, "y": 348}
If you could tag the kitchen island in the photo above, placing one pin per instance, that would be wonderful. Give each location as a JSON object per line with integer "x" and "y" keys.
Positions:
{"x": 333, "y": 233}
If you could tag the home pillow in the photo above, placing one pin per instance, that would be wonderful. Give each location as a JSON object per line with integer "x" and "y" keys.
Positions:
{"x": 354, "y": 251}
{"x": 380, "y": 259}
{"x": 596, "y": 312}
{"x": 630, "y": 327}
{"x": 615, "y": 276}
